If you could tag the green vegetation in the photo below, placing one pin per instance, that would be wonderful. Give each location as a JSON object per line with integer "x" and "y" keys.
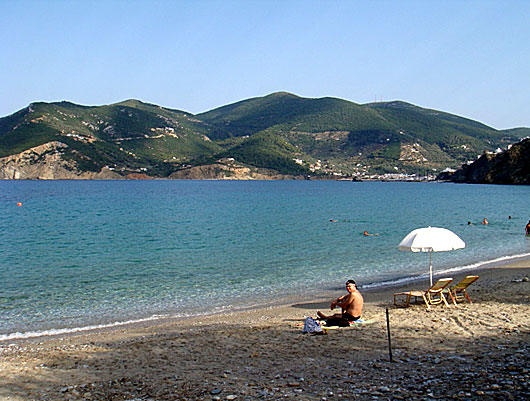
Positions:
{"x": 269, "y": 151}
{"x": 283, "y": 112}
{"x": 520, "y": 132}
{"x": 328, "y": 135}
{"x": 509, "y": 167}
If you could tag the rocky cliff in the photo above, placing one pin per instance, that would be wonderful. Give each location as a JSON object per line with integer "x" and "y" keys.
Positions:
{"x": 46, "y": 162}
{"x": 509, "y": 167}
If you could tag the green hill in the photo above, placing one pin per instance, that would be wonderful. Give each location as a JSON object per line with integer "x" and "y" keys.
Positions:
{"x": 281, "y": 131}
{"x": 285, "y": 112}
{"x": 521, "y": 132}
{"x": 130, "y": 136}
{"x": 348, "y": 137}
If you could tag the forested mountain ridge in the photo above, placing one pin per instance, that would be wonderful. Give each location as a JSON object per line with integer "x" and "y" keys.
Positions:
{"x": 278, "y": 134}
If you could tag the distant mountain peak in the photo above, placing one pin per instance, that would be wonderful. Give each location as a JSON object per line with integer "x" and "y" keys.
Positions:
{"x": 281, "y": 94}
{"x": 134, "y": 103}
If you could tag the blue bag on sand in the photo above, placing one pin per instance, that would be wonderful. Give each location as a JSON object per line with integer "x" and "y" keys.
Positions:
{"x": 311, "y": 326}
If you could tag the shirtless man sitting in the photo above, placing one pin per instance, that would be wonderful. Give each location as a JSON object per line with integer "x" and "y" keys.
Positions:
{"x": 351, "y": 305}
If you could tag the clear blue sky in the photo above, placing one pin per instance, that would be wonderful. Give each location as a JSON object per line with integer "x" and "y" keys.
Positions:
{"x": 471, "y": 58}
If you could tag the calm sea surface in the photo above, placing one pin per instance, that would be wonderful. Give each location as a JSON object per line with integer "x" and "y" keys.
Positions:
{"x": 86, "y": 253}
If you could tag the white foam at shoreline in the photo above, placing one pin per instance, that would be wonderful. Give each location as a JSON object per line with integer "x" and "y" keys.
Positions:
{"x": 54, "y": 332}
{"x": 472, "y": 266}
{"x": 488, "y": 262}
{"x": 71, "y": 330}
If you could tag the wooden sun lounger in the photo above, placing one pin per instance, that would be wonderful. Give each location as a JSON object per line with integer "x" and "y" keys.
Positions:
{"x": 431, "y": 296}
{"x": 458, "y": 292}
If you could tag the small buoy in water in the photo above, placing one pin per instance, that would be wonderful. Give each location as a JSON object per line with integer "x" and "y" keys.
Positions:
{"x": 19, "y": 204}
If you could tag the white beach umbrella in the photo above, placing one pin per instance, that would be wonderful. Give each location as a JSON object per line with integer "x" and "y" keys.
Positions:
{"x": 431, "y": 239}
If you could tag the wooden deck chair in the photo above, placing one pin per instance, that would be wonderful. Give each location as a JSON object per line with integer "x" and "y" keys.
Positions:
{"x": 459, "y": 292}
{"x": 431, "y": 296}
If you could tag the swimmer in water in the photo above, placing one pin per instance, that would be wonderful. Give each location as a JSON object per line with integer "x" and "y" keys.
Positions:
{"x": 367, "y": 234}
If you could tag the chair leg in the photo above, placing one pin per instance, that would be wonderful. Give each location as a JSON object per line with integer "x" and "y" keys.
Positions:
{"x": 443, "y": 299}
{"x": 426, "y": 301}
{"x": 467, "y": 296}
{"x": 407, "y": 300}
{"x": 453, "y": 298}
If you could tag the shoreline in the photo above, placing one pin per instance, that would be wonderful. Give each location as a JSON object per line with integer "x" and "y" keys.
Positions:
{"x": 476, "y": 350}
{"x": 396, "y": 285}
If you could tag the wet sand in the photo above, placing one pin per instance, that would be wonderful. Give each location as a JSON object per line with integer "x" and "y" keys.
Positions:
{"x": 469, "y": 351}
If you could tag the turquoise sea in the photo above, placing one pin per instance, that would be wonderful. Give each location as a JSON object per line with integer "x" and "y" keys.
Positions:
{"x": 78, "y": 254}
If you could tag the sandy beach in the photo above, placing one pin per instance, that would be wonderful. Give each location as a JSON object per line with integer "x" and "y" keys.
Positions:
{"x": 469, "y": 351}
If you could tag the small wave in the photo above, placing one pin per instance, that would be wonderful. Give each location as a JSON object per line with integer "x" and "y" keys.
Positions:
{"x": 484, "y": 263}
{"x": 54, "y": 332}
{"x": 394, "y": 282}
{"x": 472, "y": 266}
{"x": 71, "y": 330}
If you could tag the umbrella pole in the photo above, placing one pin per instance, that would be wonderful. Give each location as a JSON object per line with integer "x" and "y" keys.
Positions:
{"x": 430, "y": 266}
